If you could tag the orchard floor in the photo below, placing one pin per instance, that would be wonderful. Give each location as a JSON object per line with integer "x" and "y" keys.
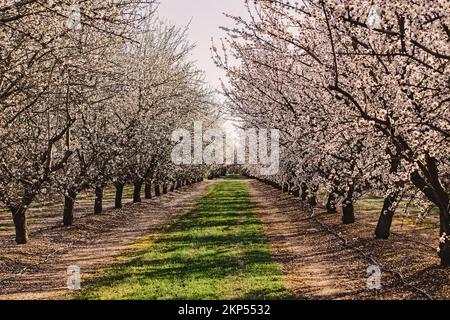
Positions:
{"x": 216, "y": 251}
{"x": 38, "y": 270}
{"x": 195, "y": 241}
{"x": 323, "y": 259}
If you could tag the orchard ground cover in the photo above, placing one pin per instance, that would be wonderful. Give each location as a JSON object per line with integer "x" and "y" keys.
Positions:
{"x": 216, "y": 251}
{"x": 220, "y": 232}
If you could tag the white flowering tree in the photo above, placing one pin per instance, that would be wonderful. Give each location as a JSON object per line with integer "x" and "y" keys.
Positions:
{"x": 90, "y": 92}
{"x": 360, "y": 92}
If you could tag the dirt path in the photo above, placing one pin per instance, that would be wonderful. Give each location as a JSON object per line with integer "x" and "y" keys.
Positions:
{"x": 320, "y": 257}
{"x": 323, "y": 259}
{"x": 38, "y": 270}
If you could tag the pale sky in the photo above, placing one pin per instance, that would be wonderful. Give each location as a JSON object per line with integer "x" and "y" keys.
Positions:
{"x": 206, "y": 17}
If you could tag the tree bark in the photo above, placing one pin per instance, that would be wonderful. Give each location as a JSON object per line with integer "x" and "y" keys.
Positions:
{"x": 304, "y": 194}
{"x": 313, "y": 199}
{"x": 148, "y": 190}
{"x": 69, "y": 202}
{"x": 444, "y": 246}
{"x": 137, "y": 191}
{"x": 98, "y": 205}
{"x": 119, "y": 195}
{"x": 429, "y": 183}
{"x": 348, "y": 216}
{"x": 157, "y": 190}
{"x": 383, "y": 229}
{"x": 165, "y": 188}
{"x": 20, "y": 224}
{"x": 331, "y": 203}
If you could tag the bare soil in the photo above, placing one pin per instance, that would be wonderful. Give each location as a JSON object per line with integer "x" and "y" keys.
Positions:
{"x": 38, "y": 270}
{"x": 320, "y": 257}
{"x": 324, "y": 259}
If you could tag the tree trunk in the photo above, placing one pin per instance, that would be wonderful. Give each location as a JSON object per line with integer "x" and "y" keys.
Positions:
{"x": 431, "y": 186}
{"x": 304, "y": 195}
{"x": 137, "y": 191}
{"x": 20, "y": 223}
{"x": 119, "y": 195}
{"x": 172, "y": 186}
{"x": 98, "y": 206}
{"x": 444, "y": 246}
{"x": 383, "y": 228}
{"x": 348, "y": 216}
{"x": 148, "y": 190}
{"x": 157, "y": 190}
{"x": 165, "y": 188}
{"x": 69, "y": 202}
{"x": 331, "y": 203}
{"x": 313, "y": 199}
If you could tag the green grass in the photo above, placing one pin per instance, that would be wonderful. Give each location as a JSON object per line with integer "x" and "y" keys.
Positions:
{"x": 373, "y": 204}
{"x": 216, "y": 251}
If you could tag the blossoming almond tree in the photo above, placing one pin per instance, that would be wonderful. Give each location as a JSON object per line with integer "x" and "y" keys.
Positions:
{"x": 380, "y": 87}
{"x": 42, "y": 85}
{"x": 64, "y": 123}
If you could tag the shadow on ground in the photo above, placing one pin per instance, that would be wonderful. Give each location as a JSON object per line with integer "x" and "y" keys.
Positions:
{"x": 217, "y": 251}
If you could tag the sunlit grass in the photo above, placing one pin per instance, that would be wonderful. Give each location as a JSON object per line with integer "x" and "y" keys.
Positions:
{"x": 217, "y": 251}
